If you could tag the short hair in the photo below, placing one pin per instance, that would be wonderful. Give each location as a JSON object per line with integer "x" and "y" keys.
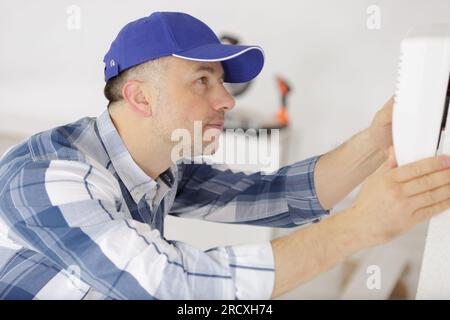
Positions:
{"x": 149, "y": 70}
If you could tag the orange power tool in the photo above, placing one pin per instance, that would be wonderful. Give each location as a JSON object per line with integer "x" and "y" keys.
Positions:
{"x": 284, "y": 89}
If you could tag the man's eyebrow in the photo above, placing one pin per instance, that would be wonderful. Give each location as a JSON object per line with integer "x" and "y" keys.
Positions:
{"x": 208, "y": 69}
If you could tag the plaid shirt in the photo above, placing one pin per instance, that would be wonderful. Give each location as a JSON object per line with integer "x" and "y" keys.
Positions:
{"x": 80, "y": 220}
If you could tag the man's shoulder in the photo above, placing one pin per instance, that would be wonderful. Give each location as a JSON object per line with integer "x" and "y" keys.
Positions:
{"x": 76, "y": 141}
{"x": 62, "y": 142}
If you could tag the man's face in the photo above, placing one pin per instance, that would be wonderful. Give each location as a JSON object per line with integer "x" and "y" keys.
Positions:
{"x": 192, "y": 95}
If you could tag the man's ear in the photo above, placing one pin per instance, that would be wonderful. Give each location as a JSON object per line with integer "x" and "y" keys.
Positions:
{"x": 133, "y": 93}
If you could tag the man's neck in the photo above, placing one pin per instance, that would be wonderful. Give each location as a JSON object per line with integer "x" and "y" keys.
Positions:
{"x": 150, "y": 154}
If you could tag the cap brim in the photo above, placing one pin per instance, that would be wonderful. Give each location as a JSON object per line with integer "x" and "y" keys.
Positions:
{"x": 240, "y": 63}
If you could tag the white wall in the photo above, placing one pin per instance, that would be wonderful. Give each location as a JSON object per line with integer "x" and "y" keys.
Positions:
{"x": 341, "y": 71}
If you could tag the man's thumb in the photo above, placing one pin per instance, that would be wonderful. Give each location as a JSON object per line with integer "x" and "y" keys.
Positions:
{"x": 391, "y": 161}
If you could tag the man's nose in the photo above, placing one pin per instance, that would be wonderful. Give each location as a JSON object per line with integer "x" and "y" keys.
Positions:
{"x": 223, "y": 100}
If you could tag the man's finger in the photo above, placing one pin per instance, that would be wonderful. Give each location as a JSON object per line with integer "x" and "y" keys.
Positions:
{"x": 427, "y": 213}
{"x": 389, "y": 106}
{"x": 386, "y": 111}
{"x": 392, "y": 160}
{"x": 430, "y": 197}
{"x": 420, "y": 168}
{"x": 427, "y": 182}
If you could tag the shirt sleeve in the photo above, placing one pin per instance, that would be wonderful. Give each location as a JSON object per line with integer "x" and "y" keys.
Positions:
{"x": 284, "y": 198}
{"x": 67, "y": 211}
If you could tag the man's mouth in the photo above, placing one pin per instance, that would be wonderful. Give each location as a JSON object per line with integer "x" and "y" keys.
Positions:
{"x": 217, "y": 125}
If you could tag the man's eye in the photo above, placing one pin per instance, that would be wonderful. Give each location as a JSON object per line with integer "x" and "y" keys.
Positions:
{"x": 203, "y": 80}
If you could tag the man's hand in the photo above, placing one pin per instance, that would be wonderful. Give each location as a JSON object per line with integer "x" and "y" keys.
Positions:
{"x": 381, "y": 127}
{"x": 340, "y": 170}
{"x": 391, "y": 201}
{"x": 394, "y": 199}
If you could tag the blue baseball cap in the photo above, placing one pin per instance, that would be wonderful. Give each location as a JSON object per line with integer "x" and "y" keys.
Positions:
{"x": 180, "y": 35}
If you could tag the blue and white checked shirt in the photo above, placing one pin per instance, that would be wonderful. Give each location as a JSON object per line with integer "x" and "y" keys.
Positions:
{"x": 80, "y": 220}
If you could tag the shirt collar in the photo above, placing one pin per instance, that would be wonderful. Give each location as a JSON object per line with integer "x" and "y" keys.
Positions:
{"x": 135, "y": 179}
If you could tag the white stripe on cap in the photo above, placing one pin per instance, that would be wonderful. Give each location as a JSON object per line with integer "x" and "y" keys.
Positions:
{"x": 220, "y": 59}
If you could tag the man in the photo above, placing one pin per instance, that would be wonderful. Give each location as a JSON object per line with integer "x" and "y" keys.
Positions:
{"x": 82, "y": 206}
